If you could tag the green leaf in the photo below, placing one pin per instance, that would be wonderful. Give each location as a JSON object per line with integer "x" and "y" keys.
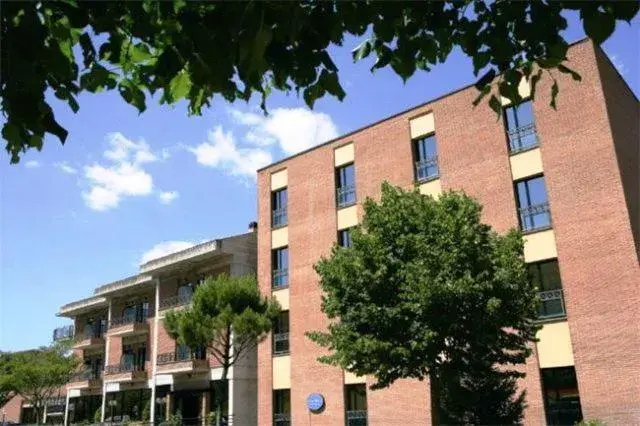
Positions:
{"x": 566, "y": 70}
{"x": 625, "y": 10}
{"x": 599, "y": 26}
{"x": 132, "y": 94}
{"x": 485, "y": 79}
{"x": 11, "y": 133}
{"x": 88, "y": 51}
{"x": 483, "y": 92}
{"x": 140, "y": 52}
{"x": 554, "y": 94}
{"x": 329, "y": 81}
{"x": 362, "y": 51}
{"x": 495, "y": 105}
{"x": 180, "y": 85}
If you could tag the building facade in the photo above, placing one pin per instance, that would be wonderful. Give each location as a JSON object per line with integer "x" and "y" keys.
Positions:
{"x": 132, "y": 369}
{"x": 569, "y": 178}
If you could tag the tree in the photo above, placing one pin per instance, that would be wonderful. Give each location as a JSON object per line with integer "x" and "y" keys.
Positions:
{"x": 228, "y": 316}
{"x": 5, "y": 392}
{"x": 197, "y": 50}
{"x": 428, "y": 290}
{"x": 37, "y": 375}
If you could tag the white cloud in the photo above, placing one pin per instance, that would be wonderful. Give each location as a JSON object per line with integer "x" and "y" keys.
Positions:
{"x": 294, "y": 129}
{"x": 221, "y": 151}
{"x": 123, "y": 176}
{"x": 620, "y": 66}
{"x": 163, "y": 249}
{"x": 66, "y": 168}
{"x": 166, "y": 197}
{"x": 32, "y": 164}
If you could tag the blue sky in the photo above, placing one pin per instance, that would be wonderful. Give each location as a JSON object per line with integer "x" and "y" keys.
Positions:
{"x": 128, "y": 187}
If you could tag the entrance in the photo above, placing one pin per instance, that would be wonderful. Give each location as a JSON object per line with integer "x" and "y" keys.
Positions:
{"x": 189, "y": 404}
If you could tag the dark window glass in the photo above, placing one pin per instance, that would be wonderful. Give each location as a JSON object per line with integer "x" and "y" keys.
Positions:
{"x": 280, "y": 262}
{"x": 546, "y": 276}
{"x": 561, "y": 396}
{"x": 520, "y": 125}
{"x": 282, "y": 407}
{"x": 426, "y": 156}
{"x": 185, "y": 293}
{"x": 279, "y": 208}
{"x": 281, "y": 334}
{"x": 533, "y": 207}
{"x": 344, "y": 238}
{"x": 356, "y": 404}
{"x": 183, "y": 353}
{"x": 346, "y": 185}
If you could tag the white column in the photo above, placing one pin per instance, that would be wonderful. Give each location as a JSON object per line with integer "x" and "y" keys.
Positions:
{"x": 66, "y": 410}
{"x": 154, "y": 360}
{"x": 106, "y": 362}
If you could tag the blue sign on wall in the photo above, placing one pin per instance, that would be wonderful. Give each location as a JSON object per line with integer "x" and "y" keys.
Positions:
{"x": 315, "y": 402}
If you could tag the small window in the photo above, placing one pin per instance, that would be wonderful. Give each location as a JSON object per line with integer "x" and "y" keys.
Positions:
{"x": 533, "y": 207}
{"x": 546, "y": 276}
{"x": 344, "y": 238}
{"x": 183, "y": 353}
{"x": 185, "y": 294}
{"x": 561, "y": 396}
{"x": 346, "y": 185}
{"x": 279, "y": 208}
{"x": 282, "y": 407}
{"x": 280, "y": 262}
{"x": 425, "y": 151}
{"x": 281, "y": 334}
{"x": 356, "y": 404}
{"x": 520, "y": 125}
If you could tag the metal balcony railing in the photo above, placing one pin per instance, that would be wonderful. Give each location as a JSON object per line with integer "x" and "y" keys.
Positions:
{"x": 346, "y": 195}
{"x": 129, "y": 319}
{"x": 174, "y": 301}
{"x": 86, "y": 374}
{"x": 357, "y": 418}
{"x": 279, "y": 217}
{"x": 523, "y": 138}
{"x": 280, "y": 278}
{"x": 92, "y": 332}
{"x": 179, "y": 356}
{"x": 535, "y": 217}
{"x": 62, "y": 333}
{"x": 280, "y": 343}
{"x": 123, "y": 368}
{"x": 552, "y": 304}
{"x": 282, "y": 419}
{"x": 427, "y": 168}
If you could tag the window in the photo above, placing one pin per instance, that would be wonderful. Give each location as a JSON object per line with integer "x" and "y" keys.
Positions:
{"x": 280, "y": 263}
{"x": 356, "y": 404}
{"x": 533, "y": 208}
{"x": 425, "y": 151}
{"x": 281, "y": 334}
{"x": 137, "y": 312}
{"x": 185, "y": 293}
{"x": 561, "y": 396}
{"x": 546, "y": 276}
{"x": 346, "y": 185}
{"x": 344, "y": 238}
{"x": 279, "y": 208}
{"x": 521, "y": 128}
{"x": 282, "y": 407}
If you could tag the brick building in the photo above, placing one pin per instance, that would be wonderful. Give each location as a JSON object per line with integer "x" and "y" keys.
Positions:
{"x": 131, "y": 365}
{"x": 569, "y": 178}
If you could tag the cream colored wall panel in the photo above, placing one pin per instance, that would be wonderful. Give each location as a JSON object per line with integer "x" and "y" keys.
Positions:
{"x": 279, "y": 180}
{"x": 280, "y": 237}
{"x": 422, "y": 125}
{"x": 523, "y": 88}
{"x": 540, "y": 246}
{"x": 347, "y": 217}
{"x": 281, "y": 372}
{"x": 344, "y": 155}
{"x": 352, "y": 379}
{"x": 526, "y": 164}
{"x": 554, "y": 347}
{"x": 433, "y": 188}
{"x": 282, "y": 296}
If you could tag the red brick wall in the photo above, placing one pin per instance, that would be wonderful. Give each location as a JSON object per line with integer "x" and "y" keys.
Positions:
{"x": 11, "y": 410}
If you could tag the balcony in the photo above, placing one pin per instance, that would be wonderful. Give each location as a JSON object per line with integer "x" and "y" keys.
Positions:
{"x": 357, "y": 418}
{"x": 125, "y": 373}
{"x": 63, "y": 333}
{"x": 128, "y": 326}
{"x": 89, "y": 339}
{"x": 346, "y": 196}
{"x": 175, "y": 302}
{"x": 551, "y": 305}
{"x": 182, "y": 363}
{"x": 279, "y": 218}
{"x": 427, "y": 169}
{"x": 523, "y": 138}
{"x": 536, "y": 217}
{"x": 86, "y": 379}
{"x": 280, "y": 343}
{"x": 281, "y": 419}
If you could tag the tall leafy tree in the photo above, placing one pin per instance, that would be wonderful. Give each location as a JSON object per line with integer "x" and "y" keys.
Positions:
{"x": 37, "y": 375}
{"x": 198, "y": 50}
{"x": 428, "y": 290}
{"x": 228, "y": 316}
